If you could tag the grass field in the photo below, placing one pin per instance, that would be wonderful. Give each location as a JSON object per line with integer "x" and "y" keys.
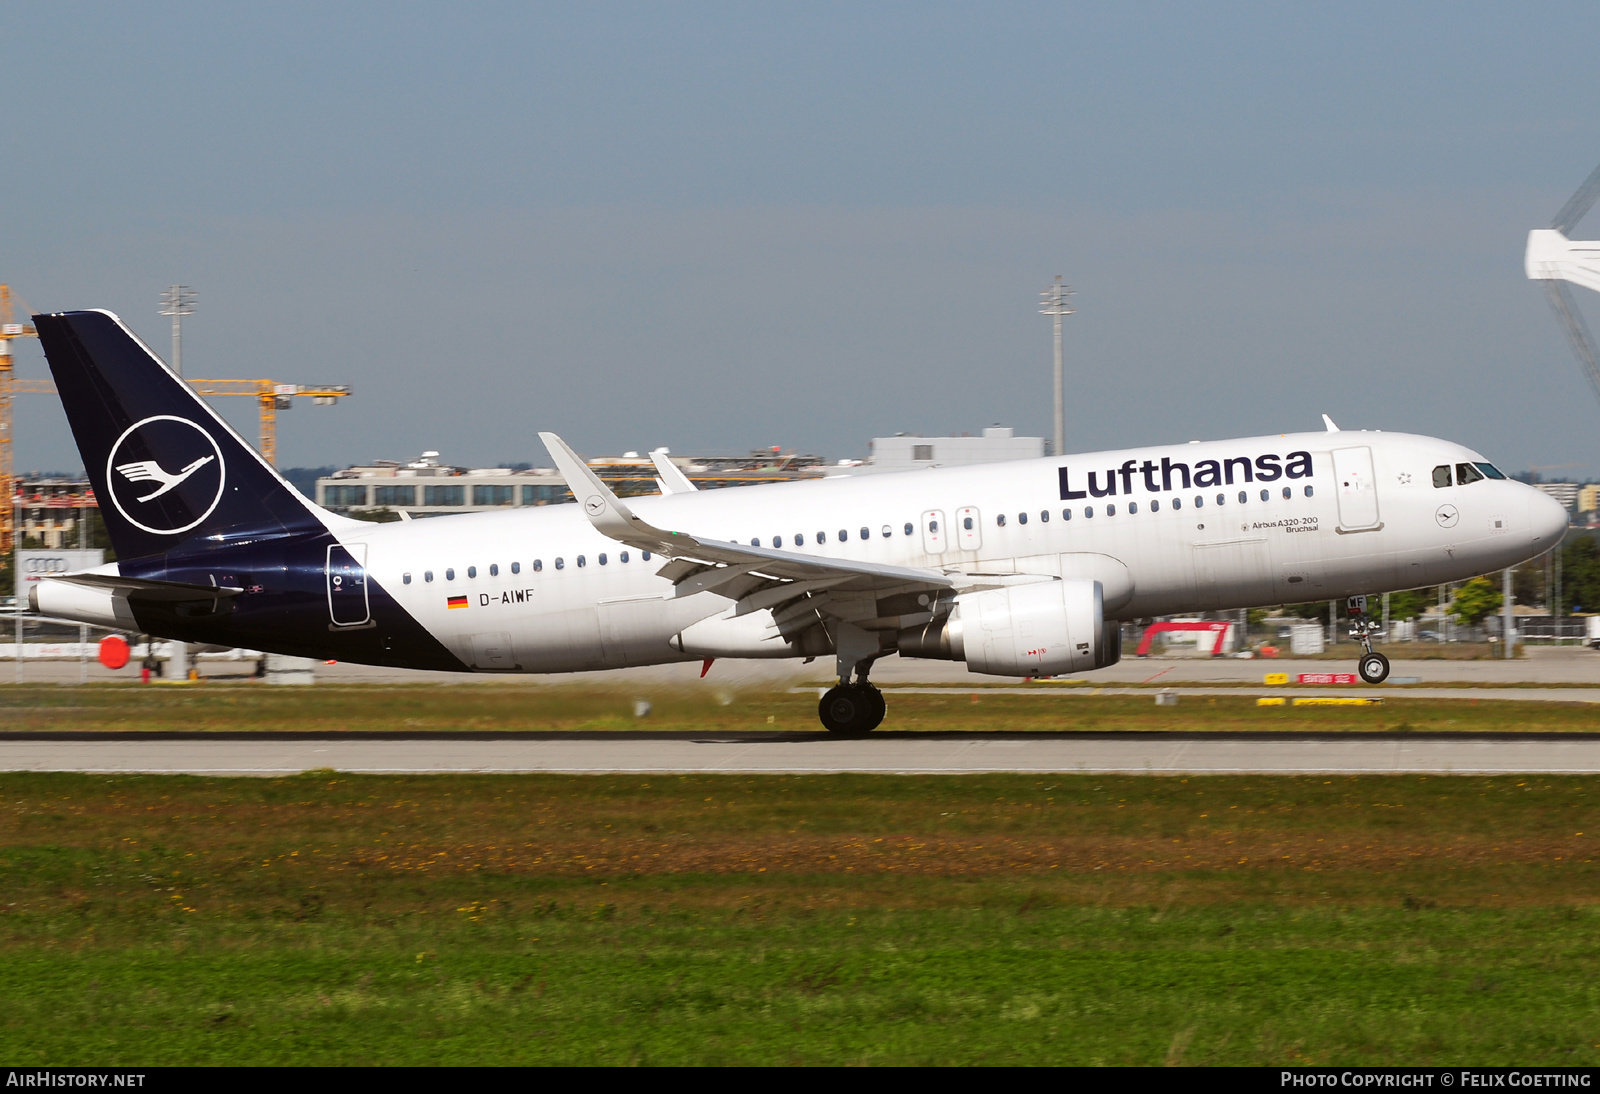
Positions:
{"x": 838, "y": 919}
{"x": 480, "y": 708}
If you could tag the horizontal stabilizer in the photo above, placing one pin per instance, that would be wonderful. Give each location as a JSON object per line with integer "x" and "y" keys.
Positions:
{"x": 150, "y": 589}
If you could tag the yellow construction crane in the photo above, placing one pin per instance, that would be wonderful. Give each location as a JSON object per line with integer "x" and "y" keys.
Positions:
{"x": 9, "y": 387}
{"x": 270, "y": 397}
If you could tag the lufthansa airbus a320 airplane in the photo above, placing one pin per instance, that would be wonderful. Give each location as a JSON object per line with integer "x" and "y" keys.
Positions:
{"x": 1018, "y": 569}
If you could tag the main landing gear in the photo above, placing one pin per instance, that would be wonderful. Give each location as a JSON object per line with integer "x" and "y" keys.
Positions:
{"x": 853, "y": 710}
{"x": 1373, "y": 666}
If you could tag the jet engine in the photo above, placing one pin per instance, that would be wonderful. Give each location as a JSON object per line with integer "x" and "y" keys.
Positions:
{"x": 1043, "y": 629}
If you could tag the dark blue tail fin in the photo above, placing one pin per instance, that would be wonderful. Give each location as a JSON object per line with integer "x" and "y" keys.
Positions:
{"x": 166, "y": 468}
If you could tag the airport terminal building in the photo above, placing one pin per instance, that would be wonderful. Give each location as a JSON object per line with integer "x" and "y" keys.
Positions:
{"x": 425, "y": 487}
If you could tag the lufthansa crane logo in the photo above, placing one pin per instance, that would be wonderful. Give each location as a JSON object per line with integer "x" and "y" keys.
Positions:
{"x": 165, "y": 474}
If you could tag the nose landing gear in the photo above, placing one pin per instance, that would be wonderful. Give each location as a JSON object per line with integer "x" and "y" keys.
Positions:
{"x": 1373, "y": 666}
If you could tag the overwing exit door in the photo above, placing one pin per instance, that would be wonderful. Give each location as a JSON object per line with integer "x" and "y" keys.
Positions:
{"x": 347, "y": 585}
{"x": 934, "y": 531}
{"x": 969, "y": 529}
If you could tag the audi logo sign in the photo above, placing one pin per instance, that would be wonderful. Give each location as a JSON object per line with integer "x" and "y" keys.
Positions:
{"x": 35, "y": 565}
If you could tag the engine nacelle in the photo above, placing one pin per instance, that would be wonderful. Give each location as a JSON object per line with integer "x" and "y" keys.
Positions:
{"x": 1043, "y": 629}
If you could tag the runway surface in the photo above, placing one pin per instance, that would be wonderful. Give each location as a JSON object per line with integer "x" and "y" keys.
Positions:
{"x": 797, "y": 754}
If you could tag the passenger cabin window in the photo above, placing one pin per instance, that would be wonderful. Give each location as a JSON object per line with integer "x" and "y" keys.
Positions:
{"x": 1000, "y": 520}
{"x": 1243, "y": 497}
{"x": 1287, "y": 493}
{"x": 494, "y": 569}
{"x": 538, "y": 564}
{"x": 1066, "y": 514}
{"x": 1466, "y": 472}
{"x": 472, "y": 571}
{"x": 910, "y": 528}
{"x": 450, "y": 574}
{"x": 1177, "y": 503}
{"x": 966, "y": 523}
{"x": 561, "y": 563}
{"x": 1155, "y": 505}
{"x": 427, "y": 575}
{"x": 602, "y": 559}
{"x": 887, "y": 531}
{"x": 1133, "y": 507}
{"x": 1044, "y": 516}
{"x": 1222, "y": 499}
{"x": 582, "y": 561}
{"x": 1111, "y": 510}
{"x": 644, "y": 555}
{"x": 756, "y": 542}
{"x": 777, "y": 541}
{"x": 1022, "y": 518}
{"x": 1088, "y": 511}
{"x": 405, "y": 579}
{"x": 516, "y": 567}
{"x": 623, "y": 557}
{"x": 1308, "y": 490}
{"x": 1266, "y": 495}
{"x": 822, "y": 537}
{"x": 799, "y": 540}
{"x": 1441, "y": 475}
{"x": 866, "y": 533}
{"x": 1199, "y": 502}
{"x": 844, "y": 536}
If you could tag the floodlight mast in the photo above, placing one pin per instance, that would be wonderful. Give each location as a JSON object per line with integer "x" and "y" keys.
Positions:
{"x": 177, "y": 301}
{"x": 1056, "y": 301}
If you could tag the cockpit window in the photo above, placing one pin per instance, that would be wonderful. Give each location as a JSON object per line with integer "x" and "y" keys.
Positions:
{"x": 1466, "y": 472}
{"x": 1441, "y": 475}
{"x": 1491, "y": 470}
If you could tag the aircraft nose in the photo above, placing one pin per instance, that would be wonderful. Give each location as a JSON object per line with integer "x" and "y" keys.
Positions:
{"x": 1547, "y": 520}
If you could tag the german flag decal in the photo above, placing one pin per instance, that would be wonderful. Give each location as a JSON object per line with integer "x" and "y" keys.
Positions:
{"x": 457, "y": 602}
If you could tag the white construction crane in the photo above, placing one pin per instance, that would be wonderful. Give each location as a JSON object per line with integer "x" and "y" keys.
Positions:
{"x": 1553, "y": 260}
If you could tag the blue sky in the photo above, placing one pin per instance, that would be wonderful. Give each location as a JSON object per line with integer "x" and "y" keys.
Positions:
{"x": 725, "y": 226}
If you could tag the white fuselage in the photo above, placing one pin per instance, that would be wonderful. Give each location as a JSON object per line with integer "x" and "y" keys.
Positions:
{"x": 582, "y": 601}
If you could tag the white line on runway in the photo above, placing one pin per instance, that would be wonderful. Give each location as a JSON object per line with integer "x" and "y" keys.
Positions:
{"x": 1179, "y": 754}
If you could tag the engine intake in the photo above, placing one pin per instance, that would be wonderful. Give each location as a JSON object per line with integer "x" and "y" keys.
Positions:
{"x": 1043, "y": 629}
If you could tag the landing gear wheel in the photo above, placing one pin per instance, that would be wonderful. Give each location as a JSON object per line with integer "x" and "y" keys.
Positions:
{"x": 852, "y": 709}
{"x": 879, "y": 707}
{"x": 1374, "y": 668}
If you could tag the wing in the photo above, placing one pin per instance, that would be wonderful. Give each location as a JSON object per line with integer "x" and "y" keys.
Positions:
{"x": 671, "y": 479}
{"x": 792, "y": 584}
{"x": 143, "y": 471}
